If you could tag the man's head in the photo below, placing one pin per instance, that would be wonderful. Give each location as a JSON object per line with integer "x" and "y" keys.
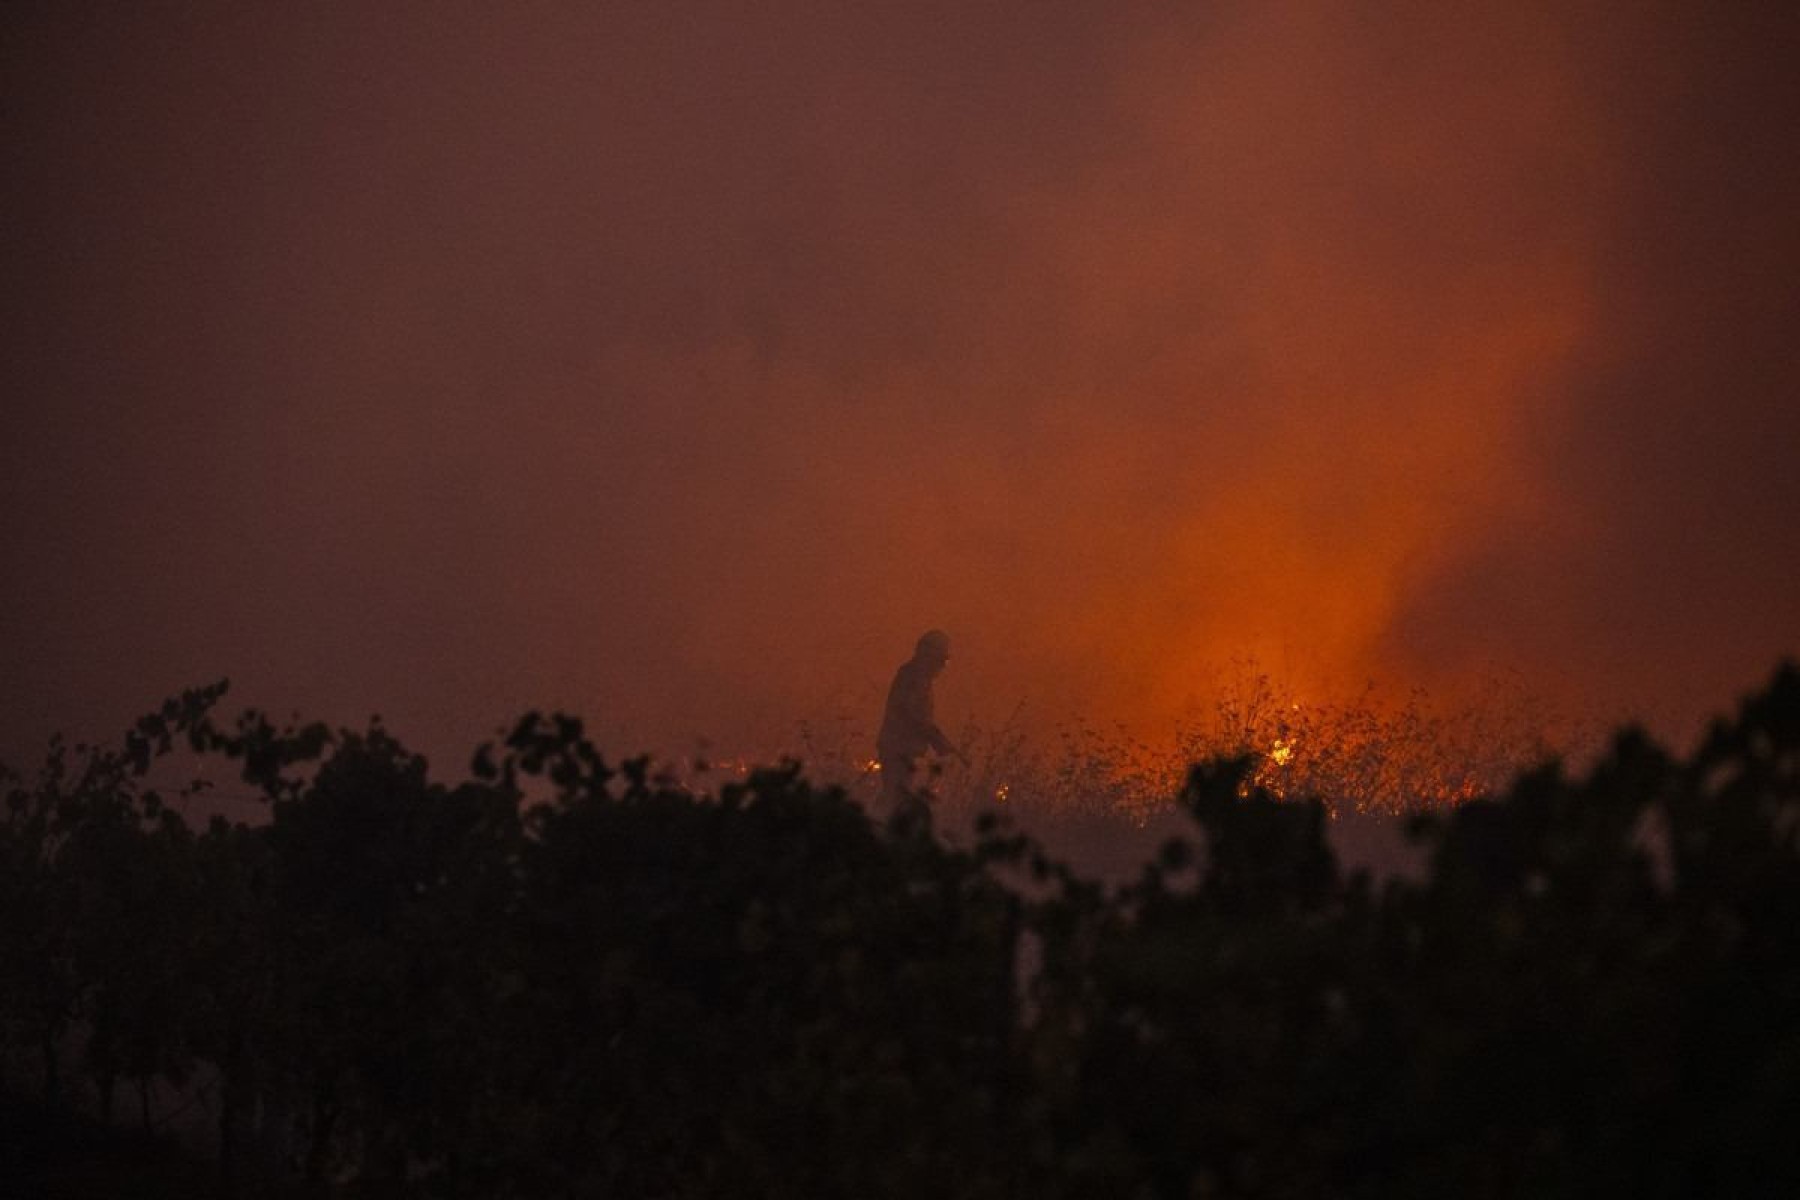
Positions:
{"x": 933, "y": 649}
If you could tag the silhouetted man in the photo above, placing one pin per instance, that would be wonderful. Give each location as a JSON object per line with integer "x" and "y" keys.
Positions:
{"x": 909, "y": 730}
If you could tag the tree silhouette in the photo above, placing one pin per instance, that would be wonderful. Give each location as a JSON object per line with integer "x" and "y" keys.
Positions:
{"x": 565, "y": 977}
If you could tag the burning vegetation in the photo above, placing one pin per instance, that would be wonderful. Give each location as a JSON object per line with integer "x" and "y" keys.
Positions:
{"x": 1376, "y": 753}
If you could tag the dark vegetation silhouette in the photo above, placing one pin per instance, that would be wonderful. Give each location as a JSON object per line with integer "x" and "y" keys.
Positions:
{"x": 566, "y": 977}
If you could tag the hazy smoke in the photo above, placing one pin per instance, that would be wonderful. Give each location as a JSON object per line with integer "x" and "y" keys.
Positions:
{"x": 680, "y": 366}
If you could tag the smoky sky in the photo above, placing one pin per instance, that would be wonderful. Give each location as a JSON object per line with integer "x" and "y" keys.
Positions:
{"x": 678, "y": 363}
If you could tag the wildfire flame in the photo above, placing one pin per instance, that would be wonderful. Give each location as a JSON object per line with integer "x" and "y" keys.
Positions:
{"x": 1367, "y": 754}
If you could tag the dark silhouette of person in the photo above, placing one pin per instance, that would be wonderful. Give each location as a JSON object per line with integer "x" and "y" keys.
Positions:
{"x": 909, "y": 729}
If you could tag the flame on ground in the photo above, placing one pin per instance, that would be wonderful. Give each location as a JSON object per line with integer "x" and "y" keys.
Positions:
{"x": 1368, "y": 755}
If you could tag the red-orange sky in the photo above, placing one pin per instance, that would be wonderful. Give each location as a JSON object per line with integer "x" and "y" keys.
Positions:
{"x": 678, "y": 363}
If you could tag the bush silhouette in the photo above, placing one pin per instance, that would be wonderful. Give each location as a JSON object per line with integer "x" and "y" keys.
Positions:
{"x": 565, "y": 977}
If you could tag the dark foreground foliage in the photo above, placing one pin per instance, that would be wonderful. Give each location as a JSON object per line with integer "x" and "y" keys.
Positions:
{"x": 565, "y": 978}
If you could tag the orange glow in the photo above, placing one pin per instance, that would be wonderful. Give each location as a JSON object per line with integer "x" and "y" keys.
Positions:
{"x": 1400, "y": 352}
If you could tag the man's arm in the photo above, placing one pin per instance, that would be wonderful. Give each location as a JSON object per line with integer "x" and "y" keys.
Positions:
{"x": 916, "y": 710}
